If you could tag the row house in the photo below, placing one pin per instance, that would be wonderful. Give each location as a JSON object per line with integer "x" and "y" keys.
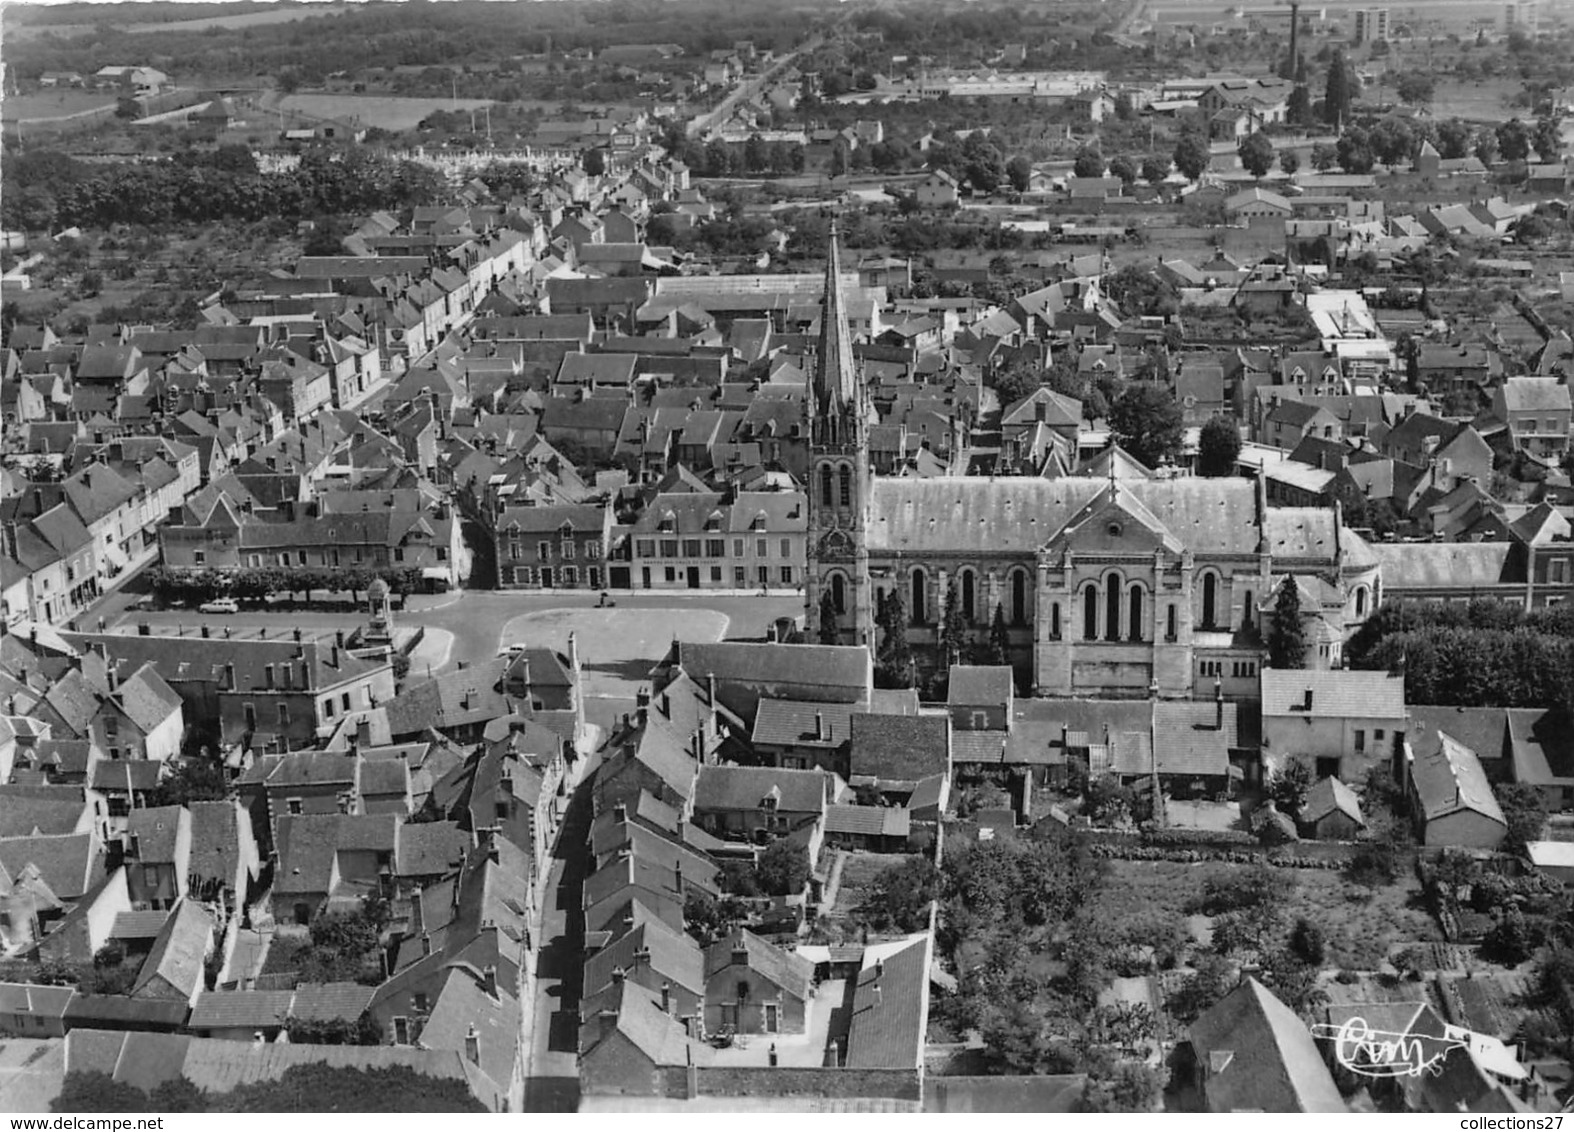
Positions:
{"x": 691, "y": 541}
{"x": 556, "y": 546}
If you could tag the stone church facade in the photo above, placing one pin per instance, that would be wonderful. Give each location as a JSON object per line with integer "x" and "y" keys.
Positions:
{"x": 1123, "y": 584}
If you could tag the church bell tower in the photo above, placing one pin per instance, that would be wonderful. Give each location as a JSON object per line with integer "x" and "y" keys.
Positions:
{"x": 838, "y": 488}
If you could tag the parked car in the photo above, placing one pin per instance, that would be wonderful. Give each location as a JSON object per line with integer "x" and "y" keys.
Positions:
{"x": 219, "y": 605}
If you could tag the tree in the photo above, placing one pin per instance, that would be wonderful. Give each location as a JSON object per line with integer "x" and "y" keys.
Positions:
{"x": 1339, "y": 92}
{"x": 982, "y": 163}
{"x": 999, "y": 639}
{"x": 899, "y": 896}
{"x": 1548, "y": 140}
{"x": 1508, "y": 941}
{"x": 1089, "y": 162}
{"x": 95, "y": 1091}
{"x": 1123, "y": 167}
{"x": 782, "y": 868}
{"x": 1453, "y": 139}
{"x": 1513, "y": 140}
{"x": 954, "y": 640}
{"x": 829, "y": 631}
{"x": 1017, "y": 379}
{"x": 838, "y": 161}
{"x": 1391, "y": 141}
{"x": 1256, "y": 154}
{"x": 1289, "y": 162}
{"x": 1486, "y": 146}
{"x": 1306, "y": 941}
{"x": 1019, "y": 171}
{"x": 317, "y": 1087}
{"x": 194, "y": 780}
{"x": 1525, "y": 811}
{"x": 1355, "y": 151}
{"x": 1293, "y": 982}
{"x": 1324, "y": 157}
{"x": 1155, "y": 169}
{"x": 1416, "y": 87}
{"x": 1129, "y": 1086}
{"x": 1218, "y": 446}
{"x": 1289, "y": 786}
{"x": 894, "y": 666}
{"x": 1286, "y": 634}
{"x": 1211, "y": 981}
{"x": 1298, "y": 111}
{"x": 1148, "y": 423}
{"x": 595, "y": 162}
{"x": 1192, "y": 157}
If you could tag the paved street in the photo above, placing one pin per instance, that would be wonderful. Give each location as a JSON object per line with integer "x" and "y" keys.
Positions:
{"x": 553, "y": 1083}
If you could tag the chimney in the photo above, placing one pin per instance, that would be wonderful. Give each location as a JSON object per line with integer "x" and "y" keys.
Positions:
{"x": 620, "y": 813}
{"x": 617, "y": 976}
{"x": 489, "y": 980}
{"x": 710, "y": 688}
{"x": 363, "y": 732}
{"x": 666, "y": 997}
{"x": 473, "y": 1045}
{"x": 112, "y": 670}
{"x": 1308, "y": 700}
{"x": 1218, "y": 706}
{"x": 338, "y": 637}
{"x": 642, "y": 958}
{"x": 426, "y": 943}
{"x": 666, "y": 705}
{"x": 819, "y": 726}
{"x": 333, "y": 656}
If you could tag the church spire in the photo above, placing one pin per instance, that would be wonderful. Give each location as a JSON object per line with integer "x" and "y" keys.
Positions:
{"x": 835, "y": 381}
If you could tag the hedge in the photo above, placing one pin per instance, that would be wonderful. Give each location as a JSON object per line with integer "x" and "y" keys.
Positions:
{"x": 1199, "y": 856}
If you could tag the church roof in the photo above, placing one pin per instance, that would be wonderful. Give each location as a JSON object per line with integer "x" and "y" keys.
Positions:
{"x": 834, "y": 377}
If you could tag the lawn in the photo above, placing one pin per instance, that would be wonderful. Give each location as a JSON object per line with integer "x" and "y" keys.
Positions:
{"x": 1360, "y": 927}
{"x": 858, "y": 873}
{"x": 46, "y": 104}
{"x": 390, "y": 113}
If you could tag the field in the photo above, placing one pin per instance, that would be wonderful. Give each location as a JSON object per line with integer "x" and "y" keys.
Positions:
{"x": 47, "y": 104}
{"x": 394, "y": 114}
{"x": 1485, "y": 101}
{"x": 1360, "y": 930}
{"x": 250, "y": 19}
{"x": 1452, "y": 14}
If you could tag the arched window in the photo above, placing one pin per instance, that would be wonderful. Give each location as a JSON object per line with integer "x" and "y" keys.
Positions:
{"x": 1170, "y": 625}
{"x": 1247, "y": 610}
{"x": 1360, "y": 601}
{"x": 1054, "y": 620}
{"x": 1090, "y": 613}
{"x": 1210, "y": 599}
{"x": 826, "y": 487}
{"x": 847, "y": 486}
{"x": 918, "y": 611}
{"x": 1019, "y": 597}
{"x": 1112, "y": 610}
{"x": 967, "y": 596}
{"x": 1134, "y": 631}
{"x": 839, "y": 592}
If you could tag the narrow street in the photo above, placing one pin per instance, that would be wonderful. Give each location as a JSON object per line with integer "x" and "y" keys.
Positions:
{"x": 552, "y": 1084}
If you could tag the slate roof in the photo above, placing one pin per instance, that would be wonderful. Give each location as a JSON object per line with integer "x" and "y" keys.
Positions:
{"x": 1187, "y": 740}
{"x": 1541, "y": 743}
{"x": 785, "y": 969}
{"x": 138, "y": 925}
{"x": 68, "y": 863}
{"x": 971, "y": 685}
{"x": 1330, "y": 796}
{"x": 26, "y": 817}
{"x": 792, "y": 723}
{"x": 673, "y": 955}
{"x": 178, "y": 952}
{"x": 1261, "y": 1057}
{"x": 1448, "y": 778}
{"x": 157, "y": 830}
{"x": 1447, "y": 565}
{"x": 328, "y": 1002}
{"x": 217, "y": 828}
{"x": 655, "y": 1034}
{"x": 744, "y": 787}
{"x": 887, "y": 1029}
{"x": 1335, "y": 694}
{"x": 901, "y": 748}
{"x": 240, "y": 1009}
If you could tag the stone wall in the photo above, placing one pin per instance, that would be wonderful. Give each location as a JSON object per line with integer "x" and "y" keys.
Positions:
{"x": 786, "y": 1081}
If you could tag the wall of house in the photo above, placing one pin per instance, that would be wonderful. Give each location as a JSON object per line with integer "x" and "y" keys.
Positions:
{"x": 1337, "y": 827}
{"x": 1466, "y": 829}
{"x": 79, "y": 940}
{"x": 616, "y": 1067}
{"x": 1310, "y": 737}
{"x": 722, "y": 992}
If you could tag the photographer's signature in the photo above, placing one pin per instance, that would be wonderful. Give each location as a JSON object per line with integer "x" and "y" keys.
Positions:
{"x": 1384, "y": 1054}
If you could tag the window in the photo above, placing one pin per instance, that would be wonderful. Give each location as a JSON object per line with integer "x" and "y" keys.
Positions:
{"x": 284, "y": 715}
{"x": 763, "y": 573}
{"x": 980, "y": 720}
{"x": 671, "y": 573}
{"x": 737, "y": 548}
{"x": 669, "y": 548}
{"x": 786, "y": 548}
{"x": 645, "y": 547}
{"x": 1135, "y": 611}
{"x": 967, "y": 595}
{"x": 294, "y": 806}
{"x": 150, "y": 876}
{"x": 1360, "y": 740}
{"x": 1019, "y": 598}
{"x": 1360, "y": 601}
{"x": 916, "y": 608}
{"x": 344, "y": 701}
{"x": 1169, "y": 624}
{"x": 1112, "y": 610}
{"x": 593, "y": 550}
{"x": 568, "y": 550}
{"x": 740, "y": 576}
{"x": 595, "y": 577}
{"x": 112, "y": 722}
{"x": 198, "y": 556}
{"x": 398, "y": 554}
{"x": 1558, "y": 571}
{"x": 691, "y": 548}
{"x": 543, "y": 552}
{"x": 1242, "y": 669}
{"x": 570, "y": 576}
{"x": 826, "y": 485}
{"x": 525, "y": 576}
{"x": 715, "y": 573}
{"x": 847, "y": 486}
{"x": 1210, "y": 599}
{"x": 250, "y": 712}
{"x": 419, "y": 1001}
{"x": 786, "y": 575}
{"x": 401, "y": 1030}
{"x": 1090, "y": 614}
{"x": 1054, "y": 620}
{"x": 761, "y": 549}
{"x": 1377, "y": 735}
{"x": 715, "y": 548}
{"x": 114, "y": 754}
{"x": 300, "y": 557}
{"x": 839, "y": 593}
{"x": 1214, "y": 668}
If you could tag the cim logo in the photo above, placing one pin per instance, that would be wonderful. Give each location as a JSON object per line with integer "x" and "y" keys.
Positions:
{"x": 1384, "y": 1054}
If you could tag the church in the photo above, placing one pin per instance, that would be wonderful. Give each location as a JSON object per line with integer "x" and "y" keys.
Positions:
{"x": 1122, "y": 583}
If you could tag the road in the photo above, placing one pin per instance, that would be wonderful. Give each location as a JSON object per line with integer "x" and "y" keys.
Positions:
{"x": 552, "y": 1082}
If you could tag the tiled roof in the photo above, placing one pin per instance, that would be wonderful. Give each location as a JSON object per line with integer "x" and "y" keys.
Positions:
{"x": 802, "y": 723}
{"x": 971, "y": 685}
{"x": 1331, "y": 796}
{"x": 328, "y": 1002}
{"x": 138, "y": 925}
{"x": 239, "y": 1009}
{"x": 878, "y": 821}
{"x": 1447, "y": 565}
{"x": 901, "y": 748}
